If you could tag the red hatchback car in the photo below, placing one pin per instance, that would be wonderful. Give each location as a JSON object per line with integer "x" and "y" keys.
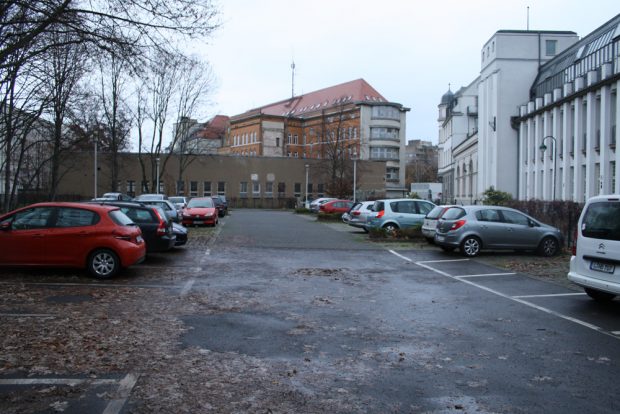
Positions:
{"x": 99, "y": 238}
{"x": 336, "y": 206}
{"x": 200, "y": 210}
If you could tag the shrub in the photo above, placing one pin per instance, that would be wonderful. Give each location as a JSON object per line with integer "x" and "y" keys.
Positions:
{"x": 302, "y": 210}
{"x": 329, "y": 216}
{"x": 375, "y": 233}
{"x": 495, "y": 197}
{"x": 410, "y": 233}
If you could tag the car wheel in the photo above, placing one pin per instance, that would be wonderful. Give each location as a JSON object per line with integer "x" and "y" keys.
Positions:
{"x": 447, "y": 248}
{"x": 599, "y": 296}
{"x": 103, "y": 264}
{"x": 471, "y": 246}
{"x": 548, "y": 247}
{"x": 390, "y": 228}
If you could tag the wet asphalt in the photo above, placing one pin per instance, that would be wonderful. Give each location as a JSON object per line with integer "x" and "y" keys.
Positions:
{"x": 416, "y": 331}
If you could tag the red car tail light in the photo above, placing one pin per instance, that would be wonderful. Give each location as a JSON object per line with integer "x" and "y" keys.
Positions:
{"x": 162, "y": 228}
{"x": 380, "y": 214}
{"x": 458, "y": 224}
{"x": 356, "y": 213}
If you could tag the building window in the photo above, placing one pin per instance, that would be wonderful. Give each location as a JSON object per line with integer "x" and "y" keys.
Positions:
{"x": 385, "y": 112}
{"x": 297, "y": 192}
{"x": 319, "y": 190}
{"x": 383, "y": 153}
{"x": 193, "y": 188}
{"x": 281, "y": 189}
{"x": 550, "y": 47}
{"x": 277, "y": 141}
{"x": 391, "y": 174}
{"x": 243, "y": 189}
{"x": 145, "y": 187}
{"x": 221, "y": 188}
{"x": 255, "y": 188}
{"x": 384, "y": 133}
{"x": 206, "y": 188}
{"x": 131, "y": 188}
{"x": 269, "y": 189}
{"x": 180, "y": 187}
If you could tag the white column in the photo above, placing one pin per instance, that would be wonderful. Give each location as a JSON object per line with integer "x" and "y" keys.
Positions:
{"x": 566, "y": 136}
{"x": 605, "y": 151}
{"x": 578, "y": 187}
{"x": 590, "y": 124}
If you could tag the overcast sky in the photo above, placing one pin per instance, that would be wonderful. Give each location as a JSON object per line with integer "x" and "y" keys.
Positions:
{"x": 407, "y": 50}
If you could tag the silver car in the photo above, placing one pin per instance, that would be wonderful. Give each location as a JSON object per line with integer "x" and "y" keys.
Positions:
{"x": 398, "y": 213}
{"x": 473, "y": 228}
{"x": 430, "y": 222}
{"x": 358, "y": 214}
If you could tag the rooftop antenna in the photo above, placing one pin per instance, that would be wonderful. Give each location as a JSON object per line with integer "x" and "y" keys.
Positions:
{"x": 293, "y": 79}
{"x": 528, "y": 18}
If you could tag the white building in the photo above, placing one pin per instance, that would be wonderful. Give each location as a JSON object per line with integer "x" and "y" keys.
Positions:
{"x": 458, "y": 137}
{"x": 572, "y": 110}
{"x": 510, "y": 62}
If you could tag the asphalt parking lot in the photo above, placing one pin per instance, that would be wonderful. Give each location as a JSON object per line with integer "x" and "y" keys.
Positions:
{"x": 273, "y": 312}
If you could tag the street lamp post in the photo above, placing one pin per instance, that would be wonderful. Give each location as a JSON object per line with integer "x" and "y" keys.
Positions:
{"x": 543, "y": 148}
{"x": 354, "y": 176}
{"x": 96, "y": 167}
{"x": 157, "y": 174}
{"x": 306, "y": 203}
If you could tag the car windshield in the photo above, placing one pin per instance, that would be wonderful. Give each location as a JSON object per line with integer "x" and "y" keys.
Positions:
{"x": 176, "y": 199}
{"x": 200, "y": 203}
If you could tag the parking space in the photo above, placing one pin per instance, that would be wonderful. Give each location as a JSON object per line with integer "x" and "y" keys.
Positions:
{"x": 546, "y": 297}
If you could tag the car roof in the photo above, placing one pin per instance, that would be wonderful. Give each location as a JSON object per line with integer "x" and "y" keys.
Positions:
{"x": 87, "y": 206}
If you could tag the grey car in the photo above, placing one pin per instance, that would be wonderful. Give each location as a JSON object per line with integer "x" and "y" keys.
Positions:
{"x": 171, "y": 212}
{"x": 473, "y": 228}
{"x": 398, "y": 213}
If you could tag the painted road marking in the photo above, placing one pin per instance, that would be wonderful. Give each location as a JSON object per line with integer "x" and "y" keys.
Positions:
{"x": 124, "y": 391}
{"x": 56, "y": 381}
{"x": 550, "y": 295}
{"x": 485, "y": 274}
{"x": 503, "y": 295}
{"x": 187, "y": 287}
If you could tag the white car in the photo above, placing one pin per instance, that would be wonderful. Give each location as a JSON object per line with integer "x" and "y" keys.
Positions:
{"x": 430, "y": 222}
{"x": 358, "y": 214}
{"x": 316, "y": 204}
{"x": 595, "y": 264}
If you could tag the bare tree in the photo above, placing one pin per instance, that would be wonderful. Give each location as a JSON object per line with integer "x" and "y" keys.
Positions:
{"x": 124, "y": 27}
{"x": 115, "y": 114}
{"x": 338, "y": 148}
{"x": 194, "y": 85}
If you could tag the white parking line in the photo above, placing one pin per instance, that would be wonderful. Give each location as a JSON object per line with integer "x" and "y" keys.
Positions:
{"x": 55, "y": 381}
{"x": 124, "y": 391}
{"x": 485, "y": 274}
{"x": 442, "y": 261}
{"x": 26, "y": 315}
{"x": 187, "y": 287}
{"x": 512, "y": 298}
{"x": 549, "y": 295}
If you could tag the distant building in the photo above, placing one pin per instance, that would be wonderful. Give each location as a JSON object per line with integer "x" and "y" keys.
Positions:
{"x": 353, "y": 115}
{"x": 421, "y": 161}
{"x": 195, "y": 138}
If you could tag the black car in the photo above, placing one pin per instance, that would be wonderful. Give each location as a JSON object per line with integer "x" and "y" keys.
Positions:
{"x": 156, "y": 229}
{"x": 180, "y": 232}
{"x": 220, "y": 204}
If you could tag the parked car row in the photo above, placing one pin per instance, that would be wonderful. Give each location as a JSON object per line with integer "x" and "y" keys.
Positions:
{"x": 103, "y": 235}
{"x": 468, "y": 228}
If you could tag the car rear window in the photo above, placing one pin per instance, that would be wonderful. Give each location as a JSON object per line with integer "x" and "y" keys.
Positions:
{"x": 602, "y": 221}
{"x": 378, "y": 206}
{"x": 435, "y": 213}
{"x": 453, "y": 213}
{"x": 120, "y": 218}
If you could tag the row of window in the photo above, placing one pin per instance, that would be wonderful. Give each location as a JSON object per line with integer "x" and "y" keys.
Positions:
{"x": 245, "y": 139}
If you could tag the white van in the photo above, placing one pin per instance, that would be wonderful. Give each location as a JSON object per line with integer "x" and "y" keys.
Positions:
{"x": 595, "y": 264}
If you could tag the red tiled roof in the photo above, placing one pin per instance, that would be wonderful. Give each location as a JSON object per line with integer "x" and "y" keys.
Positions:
{"x": 348, "y": 92}
{"x": 215, "y": 127}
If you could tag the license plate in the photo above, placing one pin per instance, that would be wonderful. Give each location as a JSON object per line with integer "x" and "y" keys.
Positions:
{"x": 198, "y": 222}
{"x": 440, "y": 238}
{"x": 602, "y": 267}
